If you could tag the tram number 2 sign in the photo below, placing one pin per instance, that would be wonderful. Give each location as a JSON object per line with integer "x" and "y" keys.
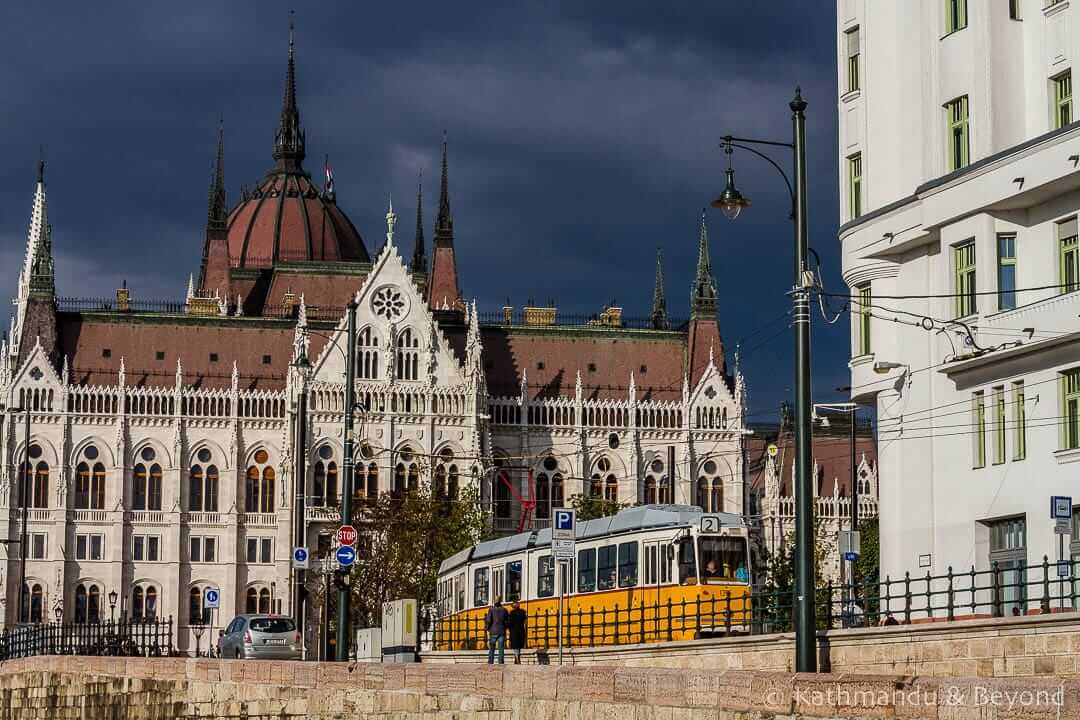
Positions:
{"x": 710, "y": 524}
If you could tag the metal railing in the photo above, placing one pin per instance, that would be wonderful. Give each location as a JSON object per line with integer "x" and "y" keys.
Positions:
{"x": 130, "y": 638}
{"x": 561, "y": 319}
{"x": 1002, "y": 590}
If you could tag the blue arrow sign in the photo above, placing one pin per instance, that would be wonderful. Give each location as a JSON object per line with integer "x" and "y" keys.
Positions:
{"x": 346, "y": 555}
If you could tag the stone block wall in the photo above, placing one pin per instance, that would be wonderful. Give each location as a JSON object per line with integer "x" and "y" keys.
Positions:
{"x": 1037, "y": 645}
{"x": 67, "y": 688}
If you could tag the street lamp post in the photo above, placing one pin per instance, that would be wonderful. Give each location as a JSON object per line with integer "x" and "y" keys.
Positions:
{"x": 112, "y": 606}
{"x": 731, "y": 202}
{"x": 198, "y": 628}
{"x": 300, "y": 481}
{"x": 344, "y": 592}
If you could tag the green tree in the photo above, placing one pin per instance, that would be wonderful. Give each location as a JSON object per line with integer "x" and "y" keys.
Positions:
{"x": 868, "y": 567}
{"x": 777, "y": 605}
{"x": 403, "y": 542}
{"x": 590, "y": 507}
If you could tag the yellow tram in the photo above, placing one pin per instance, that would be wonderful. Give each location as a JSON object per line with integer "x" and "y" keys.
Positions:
{"x": 651, "y": 573}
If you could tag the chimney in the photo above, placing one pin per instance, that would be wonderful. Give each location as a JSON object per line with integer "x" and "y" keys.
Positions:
{"x": 123, "y": 298}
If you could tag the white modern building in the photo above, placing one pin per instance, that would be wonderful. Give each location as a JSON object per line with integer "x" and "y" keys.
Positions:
{"x": 960, "y": 189}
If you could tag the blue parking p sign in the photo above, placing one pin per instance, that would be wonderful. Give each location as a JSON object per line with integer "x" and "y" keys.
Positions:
{"x": 563, "y": 526}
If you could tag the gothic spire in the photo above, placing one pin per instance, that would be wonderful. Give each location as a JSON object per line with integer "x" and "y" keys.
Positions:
{"x": 38, "y": 266}
{"x": 289, "y": 138}
{"x": 444, "y": 224}
{"x": 659, "y": 302}
{"x": 217, "y": 210}
{"x": 419, "y": 258}
{"x": 703, "y": 293}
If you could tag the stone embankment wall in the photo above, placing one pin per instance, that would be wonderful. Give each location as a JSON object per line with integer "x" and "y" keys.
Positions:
{"x": 1038, "y": 645}
{"x": 67, "y": 688}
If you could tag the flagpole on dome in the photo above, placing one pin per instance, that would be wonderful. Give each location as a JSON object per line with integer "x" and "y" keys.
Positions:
{"x": 328, "y": 188}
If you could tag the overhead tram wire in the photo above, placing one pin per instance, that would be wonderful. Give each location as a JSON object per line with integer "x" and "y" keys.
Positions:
{"x": 928, "y": 296}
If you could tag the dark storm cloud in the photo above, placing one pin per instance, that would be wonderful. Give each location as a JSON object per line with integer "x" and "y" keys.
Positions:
{"x": 582, "y": 137}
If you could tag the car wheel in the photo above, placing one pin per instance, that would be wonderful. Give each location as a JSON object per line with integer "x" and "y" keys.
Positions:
{"x": 238, "y": 656}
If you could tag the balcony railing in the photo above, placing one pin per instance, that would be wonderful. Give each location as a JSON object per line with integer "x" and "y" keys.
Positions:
{"x": 202, "y": 518}
{"x": 258, "y": 519}
{"x": 145, "y": 517}
{"x": 96, "y": 516}
{"x": 323, "y": 514}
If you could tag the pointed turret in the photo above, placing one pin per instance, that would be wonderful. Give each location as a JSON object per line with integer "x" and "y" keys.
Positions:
{"x": 443, "y": 289}
{"x": 35, "y": 317}
{"x": 214, "y": 268}
{"x": 289, "y": 138}
{"x": 703, "y": 292}
{"x": 418, "y": 265}
{"x": 659, "y": 302}
{"x": 391, "y": 221}
{"x": 217, "y": 210}
{"x": 704, "y": 330}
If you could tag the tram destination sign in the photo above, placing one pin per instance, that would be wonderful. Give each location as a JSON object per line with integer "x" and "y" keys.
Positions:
{"x": 563, "y": 549}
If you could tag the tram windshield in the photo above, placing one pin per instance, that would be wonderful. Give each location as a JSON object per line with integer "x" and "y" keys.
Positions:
{"x": 723, "y": 559}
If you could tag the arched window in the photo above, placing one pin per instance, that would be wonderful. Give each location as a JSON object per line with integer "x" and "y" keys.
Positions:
{"x": 251, "y": 601}
{"x": 650, "y": 490}
{"x": 151, "y": 603}
{"x": 37, "y": 480}
{"x": 408, "y": 355}
{"x": 146, "y": 485}
{"x": 445, "y": 476}
{"x": 366, "y": 480}
{"x": 710, "y": 487}
{"x": 259, "y": 485}
{"x": 543, "y": 497}
{"x": 264, "y": 601}
{"x": 32, "y": 603}
{"x": 82, "y": 486}
{"x": 195, "y": 489}
{"x": 144, "y": 602}
{"x": 324, "y": 483}
{"x": 195, "y": 606}
{"x": 501, "y": 491}
{"x": 138, "y": 602}
{"x": 87, "y": 603}
{"x": 654, "y": 480}
{"x": 603, "y": 481}
{"x": 406, "y": 473}
{"x": 367, "y": 354}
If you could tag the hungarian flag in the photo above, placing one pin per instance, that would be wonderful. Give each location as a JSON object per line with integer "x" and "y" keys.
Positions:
{"x": 329, "y": 189}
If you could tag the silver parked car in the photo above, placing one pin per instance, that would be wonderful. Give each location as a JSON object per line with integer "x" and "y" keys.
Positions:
{"x": 257, "y": 637}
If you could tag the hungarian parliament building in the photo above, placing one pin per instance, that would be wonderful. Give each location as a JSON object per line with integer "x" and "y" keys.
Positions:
{"x": 160, "y": 439}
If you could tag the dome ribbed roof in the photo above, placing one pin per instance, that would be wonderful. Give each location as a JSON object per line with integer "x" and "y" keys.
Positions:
{"x": 287, "y": 219}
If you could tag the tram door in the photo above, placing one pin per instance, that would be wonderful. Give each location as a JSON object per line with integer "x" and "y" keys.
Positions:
{"x": 654, "y": 577}
{"x": 497, "y": 584}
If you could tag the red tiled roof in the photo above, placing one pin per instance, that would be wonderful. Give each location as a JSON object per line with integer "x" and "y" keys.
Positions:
{"x": 564, "y": 352}
{"x": 831, "y": 452}
{"x": 138, "y": 340}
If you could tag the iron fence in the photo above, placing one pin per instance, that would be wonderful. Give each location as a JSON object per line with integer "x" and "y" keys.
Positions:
{"x": 111, "y": 305}
{"x": 577, "y": 320}
{"x": 133, "y": 638}
{"x": 1002, "y": 590}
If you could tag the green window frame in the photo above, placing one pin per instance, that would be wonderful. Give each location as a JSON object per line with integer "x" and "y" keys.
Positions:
{"x": 1063, "y": 114}
{"x": 1019, "y": 421}
{"x": 955, "y": 15}
{"x": 1070, "y": 409}
{"x": 956, "y": 118}
{"x": 855, "y": 186}
{"x": 998, "y": 397}
{"x": 978, "y": 435}
{"x": 1068, "y": 256}
{"x": 964, "y": 284}
{"x": 852, "y": 39}
{"x": 864, "y": 302}
{"x": 1006, "y": 246}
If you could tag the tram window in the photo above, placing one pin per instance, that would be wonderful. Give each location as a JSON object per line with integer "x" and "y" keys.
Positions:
{"x": 666, "y": 553}
{"x": 568, "y": 577}
{"x": 459, "y": 592}
{"x": 723, "y": 558}
{"x": 687, "y": 566}
{"x": 628, "y": 561}
{"x": 650, "y": 565}
{"x": 545, "y": 576}
{"x": 513, "y": 581}
{"x": 606, "y": 568}
{"x": 480, "y": 587}
{"x": 586, "y": 575}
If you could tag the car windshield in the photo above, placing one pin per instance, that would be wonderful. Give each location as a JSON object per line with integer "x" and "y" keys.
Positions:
{"x": 723, "y": 559}
{"x": 272, "y": 625}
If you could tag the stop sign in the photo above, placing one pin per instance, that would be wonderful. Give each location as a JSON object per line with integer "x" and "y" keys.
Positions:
{"x": 346, "y": 535}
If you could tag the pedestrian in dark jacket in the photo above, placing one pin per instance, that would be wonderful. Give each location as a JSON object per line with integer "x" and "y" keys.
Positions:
{"x": 495, "y": 625}
{"x": 516, "y": 623}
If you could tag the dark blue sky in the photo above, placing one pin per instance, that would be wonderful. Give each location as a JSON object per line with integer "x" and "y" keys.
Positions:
{"x": 582, "y": 137}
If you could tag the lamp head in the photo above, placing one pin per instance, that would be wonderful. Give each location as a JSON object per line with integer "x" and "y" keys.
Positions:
{"x": 112, "y": 598}
{"x": 731, "y": 201}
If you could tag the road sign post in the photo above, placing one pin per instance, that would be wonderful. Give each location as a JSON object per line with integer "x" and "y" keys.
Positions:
{"x": 563, "y": 533}
{"x": 1061, "y": 510}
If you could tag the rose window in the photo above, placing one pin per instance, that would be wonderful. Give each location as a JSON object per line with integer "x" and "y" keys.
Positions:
{"x": 390, "y": 303}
